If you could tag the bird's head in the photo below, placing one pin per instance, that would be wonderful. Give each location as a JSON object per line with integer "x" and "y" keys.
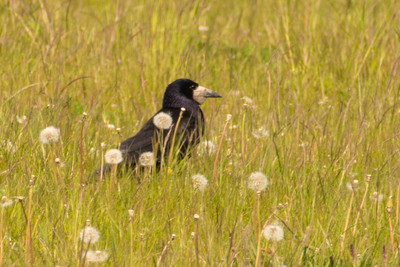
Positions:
{"x": 185, "y": 92}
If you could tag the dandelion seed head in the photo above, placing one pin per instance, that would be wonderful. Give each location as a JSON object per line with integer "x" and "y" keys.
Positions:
{"x": 146, "y": 159}
{"x": 96, "y": 256}
{"x": 260, "y": 133}
{"x": 111, "y": 126}
{"x": 228, "y": 117}
{"x": 257, "y": 181}
{"x": 131, "y": 213}
{"x": 196, "y": 217}
{"x": 376, "y": 196}
{"x": 203, "y": 28}
{"x": 22, "y": 119}
{"x": 206, "y": 147}
{"x": 162, "y": 120}
{"x": 199, "y": 181}
{"x": 273, "y": 232}
{"x": 89, "y": 234}
{"x": 247, "y": 100}
{"x": 9, "y": 146}
{"x": 49, "y": 135}
{"x": 5, "y": 202}
{"x": 352, "y": 186}
{"x": 113, "y": 156}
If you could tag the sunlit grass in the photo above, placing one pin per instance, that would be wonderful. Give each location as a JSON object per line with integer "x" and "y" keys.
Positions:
{"x": 313, "y": 92}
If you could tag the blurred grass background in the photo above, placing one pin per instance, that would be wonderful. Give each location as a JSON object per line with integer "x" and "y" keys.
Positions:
{"x": 323, "y": 77}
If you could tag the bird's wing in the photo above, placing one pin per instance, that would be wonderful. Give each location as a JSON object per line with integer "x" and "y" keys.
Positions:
{"x": 139, "y": 143}
{"x": 187, "y": 134}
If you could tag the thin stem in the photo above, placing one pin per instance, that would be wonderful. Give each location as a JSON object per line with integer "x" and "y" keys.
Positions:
{"x": 1, "y": 235}
{"x": 197, "y": 243}
{"x": 258, "y": 226}
{"x": 81, "y": 152}
{"x": 347, "y": 222}
{"x": 171, "y": 147}
{"x": 219, "y": 148}
{"x": 360, "y": 208}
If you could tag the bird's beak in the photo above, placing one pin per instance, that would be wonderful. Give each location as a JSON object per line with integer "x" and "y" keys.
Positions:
{"x": 201, "y": 93}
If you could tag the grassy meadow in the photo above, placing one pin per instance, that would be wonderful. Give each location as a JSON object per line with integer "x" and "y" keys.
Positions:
{"x": 313, "y": 88}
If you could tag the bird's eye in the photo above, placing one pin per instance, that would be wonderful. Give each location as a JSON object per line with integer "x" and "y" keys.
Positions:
{"x": 192, "y": 87}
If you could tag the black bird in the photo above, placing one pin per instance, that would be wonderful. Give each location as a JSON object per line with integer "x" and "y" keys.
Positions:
{"x": 182, "y": 98}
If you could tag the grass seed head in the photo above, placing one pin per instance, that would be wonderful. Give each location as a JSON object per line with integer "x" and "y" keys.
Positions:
{"x": 113, "y": 156}
{"x": 162, "y": 121}
{"x": 49, "y": 135}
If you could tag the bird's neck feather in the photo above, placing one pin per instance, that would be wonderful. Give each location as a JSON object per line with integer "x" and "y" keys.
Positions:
{"x": 181, "y": 102}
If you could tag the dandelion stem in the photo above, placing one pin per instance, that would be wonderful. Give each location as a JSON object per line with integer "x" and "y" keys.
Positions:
{"x": 219, "y": 149}
{"x": 171, "y": 147}
{"x": 81, "y": 152}
{"x": 1, "y": 235}
{"x": 360, "y": 208}
{"x": 346, "y": 223}
{"x": 28, "y": 242}
{"x": 196, "y": 240}
{"x": 243, "y": 136}
{"x": 164, "y": 251}
{"x": 131, "y": 242}
{"x": 258, "y": 227}
{"x": 102, "y": 164}
{"x": 397, "y": 204}
{"x": 389, "y": 208}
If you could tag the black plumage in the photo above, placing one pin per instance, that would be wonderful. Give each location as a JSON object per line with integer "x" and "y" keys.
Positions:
{"x": 182, "y": 93}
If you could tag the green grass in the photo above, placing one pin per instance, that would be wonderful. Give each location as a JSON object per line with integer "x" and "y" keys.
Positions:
{"x": 324, "y": 79}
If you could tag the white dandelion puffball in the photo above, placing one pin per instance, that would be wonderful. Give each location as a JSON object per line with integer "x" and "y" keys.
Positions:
{"x": 206, "y": 147}
{"x": 378, "y": 197}
{"x": 257, "y": 181}
{"x": 146, "y": 159}
{"x": 49, "y": 135}
{"x": 96, "y": 256}
{"x": 113, "y": 156}
{"x": 203, "y": 28}
{"x": 5, "y": 202}
{"x": 247, "y": 100}
{"x": 273, "y": 232}
{"x": 162, "y": 120}
{"x": 22, "y": 119}
{"x": 89, "y": 234}
{"x": 199, "y": 181}
{"x": 260, "y": 133}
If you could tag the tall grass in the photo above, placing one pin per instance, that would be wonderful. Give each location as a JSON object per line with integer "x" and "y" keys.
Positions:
{"x": 324, "y": 80}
